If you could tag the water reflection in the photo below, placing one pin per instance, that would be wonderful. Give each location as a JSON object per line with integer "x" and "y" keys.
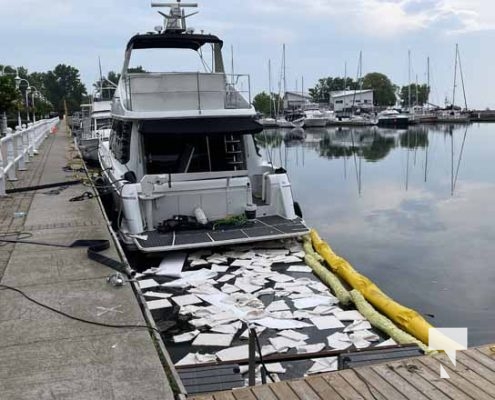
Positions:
{"x": 412, "y": 209}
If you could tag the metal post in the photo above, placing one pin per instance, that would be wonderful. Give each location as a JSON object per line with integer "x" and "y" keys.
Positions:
{"x": 25, "y": 144}
{"x": 30, "y": 137}
{"x": 27, "y": 106}
{"x": 20, "y": 150}
{"x": 199, "y": 94}
{"x": 32, "y": 102}
{"x": 252, "y": 358}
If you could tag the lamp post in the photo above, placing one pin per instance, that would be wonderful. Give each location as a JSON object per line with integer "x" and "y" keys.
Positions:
{"x": 18, "y": 81}
{"x": 34, "y": 90}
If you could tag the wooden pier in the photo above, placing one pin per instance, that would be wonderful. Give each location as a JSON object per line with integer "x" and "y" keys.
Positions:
{"x": 473, "y": 378}
{"x": 45, "y": 355}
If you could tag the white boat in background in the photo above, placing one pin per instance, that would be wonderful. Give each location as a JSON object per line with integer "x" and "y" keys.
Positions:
{"x": 182, "y": 159}
{"x": 313, "y": 118}
{"x": 392, "y": 118}
{"x": 100, "y": 123}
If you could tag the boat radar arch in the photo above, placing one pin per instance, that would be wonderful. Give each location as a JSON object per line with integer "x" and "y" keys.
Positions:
{"x": 175, "y": 21}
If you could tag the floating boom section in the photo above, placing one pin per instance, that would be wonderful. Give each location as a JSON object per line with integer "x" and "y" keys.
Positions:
{"x": 407, "y": 319}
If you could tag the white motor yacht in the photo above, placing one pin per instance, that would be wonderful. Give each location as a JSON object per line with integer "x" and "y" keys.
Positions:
{"x": 98, "y": 130}
{"x": 182, "y": 158}
{"x": 313, "y": 118}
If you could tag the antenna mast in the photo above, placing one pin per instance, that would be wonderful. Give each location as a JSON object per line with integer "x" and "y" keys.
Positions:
{"x": 175, "y": 21}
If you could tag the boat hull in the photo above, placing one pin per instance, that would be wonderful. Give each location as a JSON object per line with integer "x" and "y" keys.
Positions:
{"x": 394, "y": 122}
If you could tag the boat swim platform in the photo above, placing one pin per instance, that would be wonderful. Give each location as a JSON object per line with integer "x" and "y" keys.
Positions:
{"x": 259, "y": 230}
{"x": 44, "y": 355}
{"x": 418, "y": 378}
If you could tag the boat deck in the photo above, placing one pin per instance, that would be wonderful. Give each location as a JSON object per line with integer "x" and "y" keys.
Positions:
{"x": 260, "y": 229}
{"x": 473, "y": 378}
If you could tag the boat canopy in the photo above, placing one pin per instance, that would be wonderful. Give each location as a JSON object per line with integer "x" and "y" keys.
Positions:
{"x": 171, "y": 40}
{"x": 206, "y": 125}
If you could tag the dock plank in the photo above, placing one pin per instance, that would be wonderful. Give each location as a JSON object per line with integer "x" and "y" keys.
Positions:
{"x": 303, "y": 390}
{"x": 283, "y": 391}
{"x": 224, "y": 396}
{"x": 476, "y": 366}
{"x": 388, "y": 373}
{"x": 346, "y": 391}
{"x": 376, "y": 383}
{"x": 362, "y": 385}
{"x": 456, "y": 379}
{"x": 264, "y": 393}
{"x": 322, "y": 388}
{"x": 243, "y": 394}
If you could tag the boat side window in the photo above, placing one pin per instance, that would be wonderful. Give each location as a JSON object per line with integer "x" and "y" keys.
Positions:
{"x": 120, "y": 140}
{"x": 188, "y": 153}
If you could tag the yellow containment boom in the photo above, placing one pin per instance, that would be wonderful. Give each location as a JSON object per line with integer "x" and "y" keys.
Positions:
{"x": 407, "y": 319}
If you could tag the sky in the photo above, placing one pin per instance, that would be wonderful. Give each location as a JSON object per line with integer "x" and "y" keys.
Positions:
{"x": 321, "y": 37}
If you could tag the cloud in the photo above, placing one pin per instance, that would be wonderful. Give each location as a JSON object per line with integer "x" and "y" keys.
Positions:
{"x": 382, "y": 18}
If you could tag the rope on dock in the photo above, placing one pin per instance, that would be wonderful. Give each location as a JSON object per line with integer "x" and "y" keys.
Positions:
{"x": 405, "y": 318}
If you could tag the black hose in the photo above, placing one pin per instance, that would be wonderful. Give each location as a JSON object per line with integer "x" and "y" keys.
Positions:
{"x": 46, "y": 186}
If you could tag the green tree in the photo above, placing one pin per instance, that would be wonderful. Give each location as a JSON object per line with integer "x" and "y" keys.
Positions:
{"x": 9, "y": 98}
{"x": 383, "y": 88}
{"x": 422, "y": 91}
{"x": 261, "y": 103}
{"x": 64, "y": 83}
{"x": 321, "y": 92}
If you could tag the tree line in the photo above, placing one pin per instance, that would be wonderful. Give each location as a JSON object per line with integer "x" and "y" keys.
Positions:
{"x": 385, "y": 93}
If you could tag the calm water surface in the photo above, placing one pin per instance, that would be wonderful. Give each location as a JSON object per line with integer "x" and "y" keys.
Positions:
{"x": 413, "y": 210}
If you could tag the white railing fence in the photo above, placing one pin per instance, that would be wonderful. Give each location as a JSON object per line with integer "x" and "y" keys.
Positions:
{"x": 19, "y": 147}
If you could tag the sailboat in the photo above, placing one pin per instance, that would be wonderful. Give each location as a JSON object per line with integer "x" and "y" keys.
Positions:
{"x": 182, "y": 160}
{"x": 452, "y": 113}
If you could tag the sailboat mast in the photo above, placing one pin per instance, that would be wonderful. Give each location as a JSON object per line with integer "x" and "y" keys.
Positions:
{"x": 345, "y": 83}
{"x": 462, "y": 79}
{"x": 285, "y": 80}
{"x": 270, "y": 84}
{"x": 428, "y": 79}
{"x": 455, "y": 75}
{"x": 409, "y": 78}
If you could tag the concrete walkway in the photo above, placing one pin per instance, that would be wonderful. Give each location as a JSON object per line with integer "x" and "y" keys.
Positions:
{"x": 44, "y": 355}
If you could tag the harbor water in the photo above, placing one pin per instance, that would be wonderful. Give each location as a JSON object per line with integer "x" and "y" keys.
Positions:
{"x": 411, "y": 209}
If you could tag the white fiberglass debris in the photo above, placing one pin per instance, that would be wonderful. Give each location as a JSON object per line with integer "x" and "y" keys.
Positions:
{"x": 357, "y": 326}
{"x": 196, "y": 358}
{"x": 316, "y": 300}
{"x": 225, "y": 278}
{"x": 227, "y": 329}
{"x": 198, "y": 262}
{"x": 157, "y": 304}
{"x": 258, "y": 329}
{"x": 352, "y": 315}
{"x": 280, "y": 324}
{"x": 158, "y": 295}
{"x": 217, "y": 259}
{"x": 339, "y": 341}
{"x": 389, "y": 342}
{"x": 275, "y": 368}
{"x": 241, "y": 263}
{"x": 272, "y": 252}
{"x": 198, "y": 254}
{"x": 282, "y": 314}
{"x": 289, "y": 333}
{"x": 299, "y": 268}
{"x": 186, "y": 300}
{"x": 280, "y": 278}
{"x": 228, "y": 288}
{"x": 302, "y": 314}
{"x": 234, "y": 353}
{"x": 326, "y": 364}
{"x": 361, "y": 343}
{"x": 172, "y": 265}
{"x": 261, "y": 262}
{"x": 191, "y": 277}
{"x": 219, "y": 268}
{"x": 324, "y": 310}
{"x": 282, "y": 293}
{"x": 213, "y": 339}
{"x": 245, "y": 285}
{"x": 318, "y": 286}
{"x": 265, "y": 292}
{"x": 278, "y": 305}
{"x": 299, "y": 254}
{"x": 310, "y": 348}
{"x": 366, "y": 335}
{"x": 281, "y": 343}
{"x": 148, "y": 283}
{"x": 326, "y": 322}
{"x": 185, "y": 337}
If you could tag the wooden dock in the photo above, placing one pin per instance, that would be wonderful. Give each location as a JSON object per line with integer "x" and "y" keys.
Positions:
{"x": 45, "y": 355}
{"x": 473, "y": 378}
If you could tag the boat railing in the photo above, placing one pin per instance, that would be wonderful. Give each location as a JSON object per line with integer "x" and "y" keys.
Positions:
{"x": 17, "y": 148}
{"x": 191, "y": 91}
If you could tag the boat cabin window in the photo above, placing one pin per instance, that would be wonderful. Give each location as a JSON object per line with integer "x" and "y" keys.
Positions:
{"x": 188, "y": 153}
{"x": 171, "y": 60}
{"x": 120, "y": 140}
{"x": 101, "y": 123}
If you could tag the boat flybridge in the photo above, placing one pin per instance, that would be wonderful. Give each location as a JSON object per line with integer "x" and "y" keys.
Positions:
{"x": 96, "y": 129}
{"x": 182, "y": 156}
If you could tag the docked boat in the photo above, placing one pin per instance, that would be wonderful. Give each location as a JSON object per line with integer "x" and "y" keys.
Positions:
{"x": 98, "y": 130}
{"x": 182, "y": 159}
{"x": 313, "y": 118}
{"x": 391, "y": 118}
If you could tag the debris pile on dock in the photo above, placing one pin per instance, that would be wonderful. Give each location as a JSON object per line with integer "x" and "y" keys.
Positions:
{"x": 216, "y": 296}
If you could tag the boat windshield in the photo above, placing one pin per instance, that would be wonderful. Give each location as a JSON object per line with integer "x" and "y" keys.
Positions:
{"x": 179, "y": 153}
{"x": 171, "y": 60}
